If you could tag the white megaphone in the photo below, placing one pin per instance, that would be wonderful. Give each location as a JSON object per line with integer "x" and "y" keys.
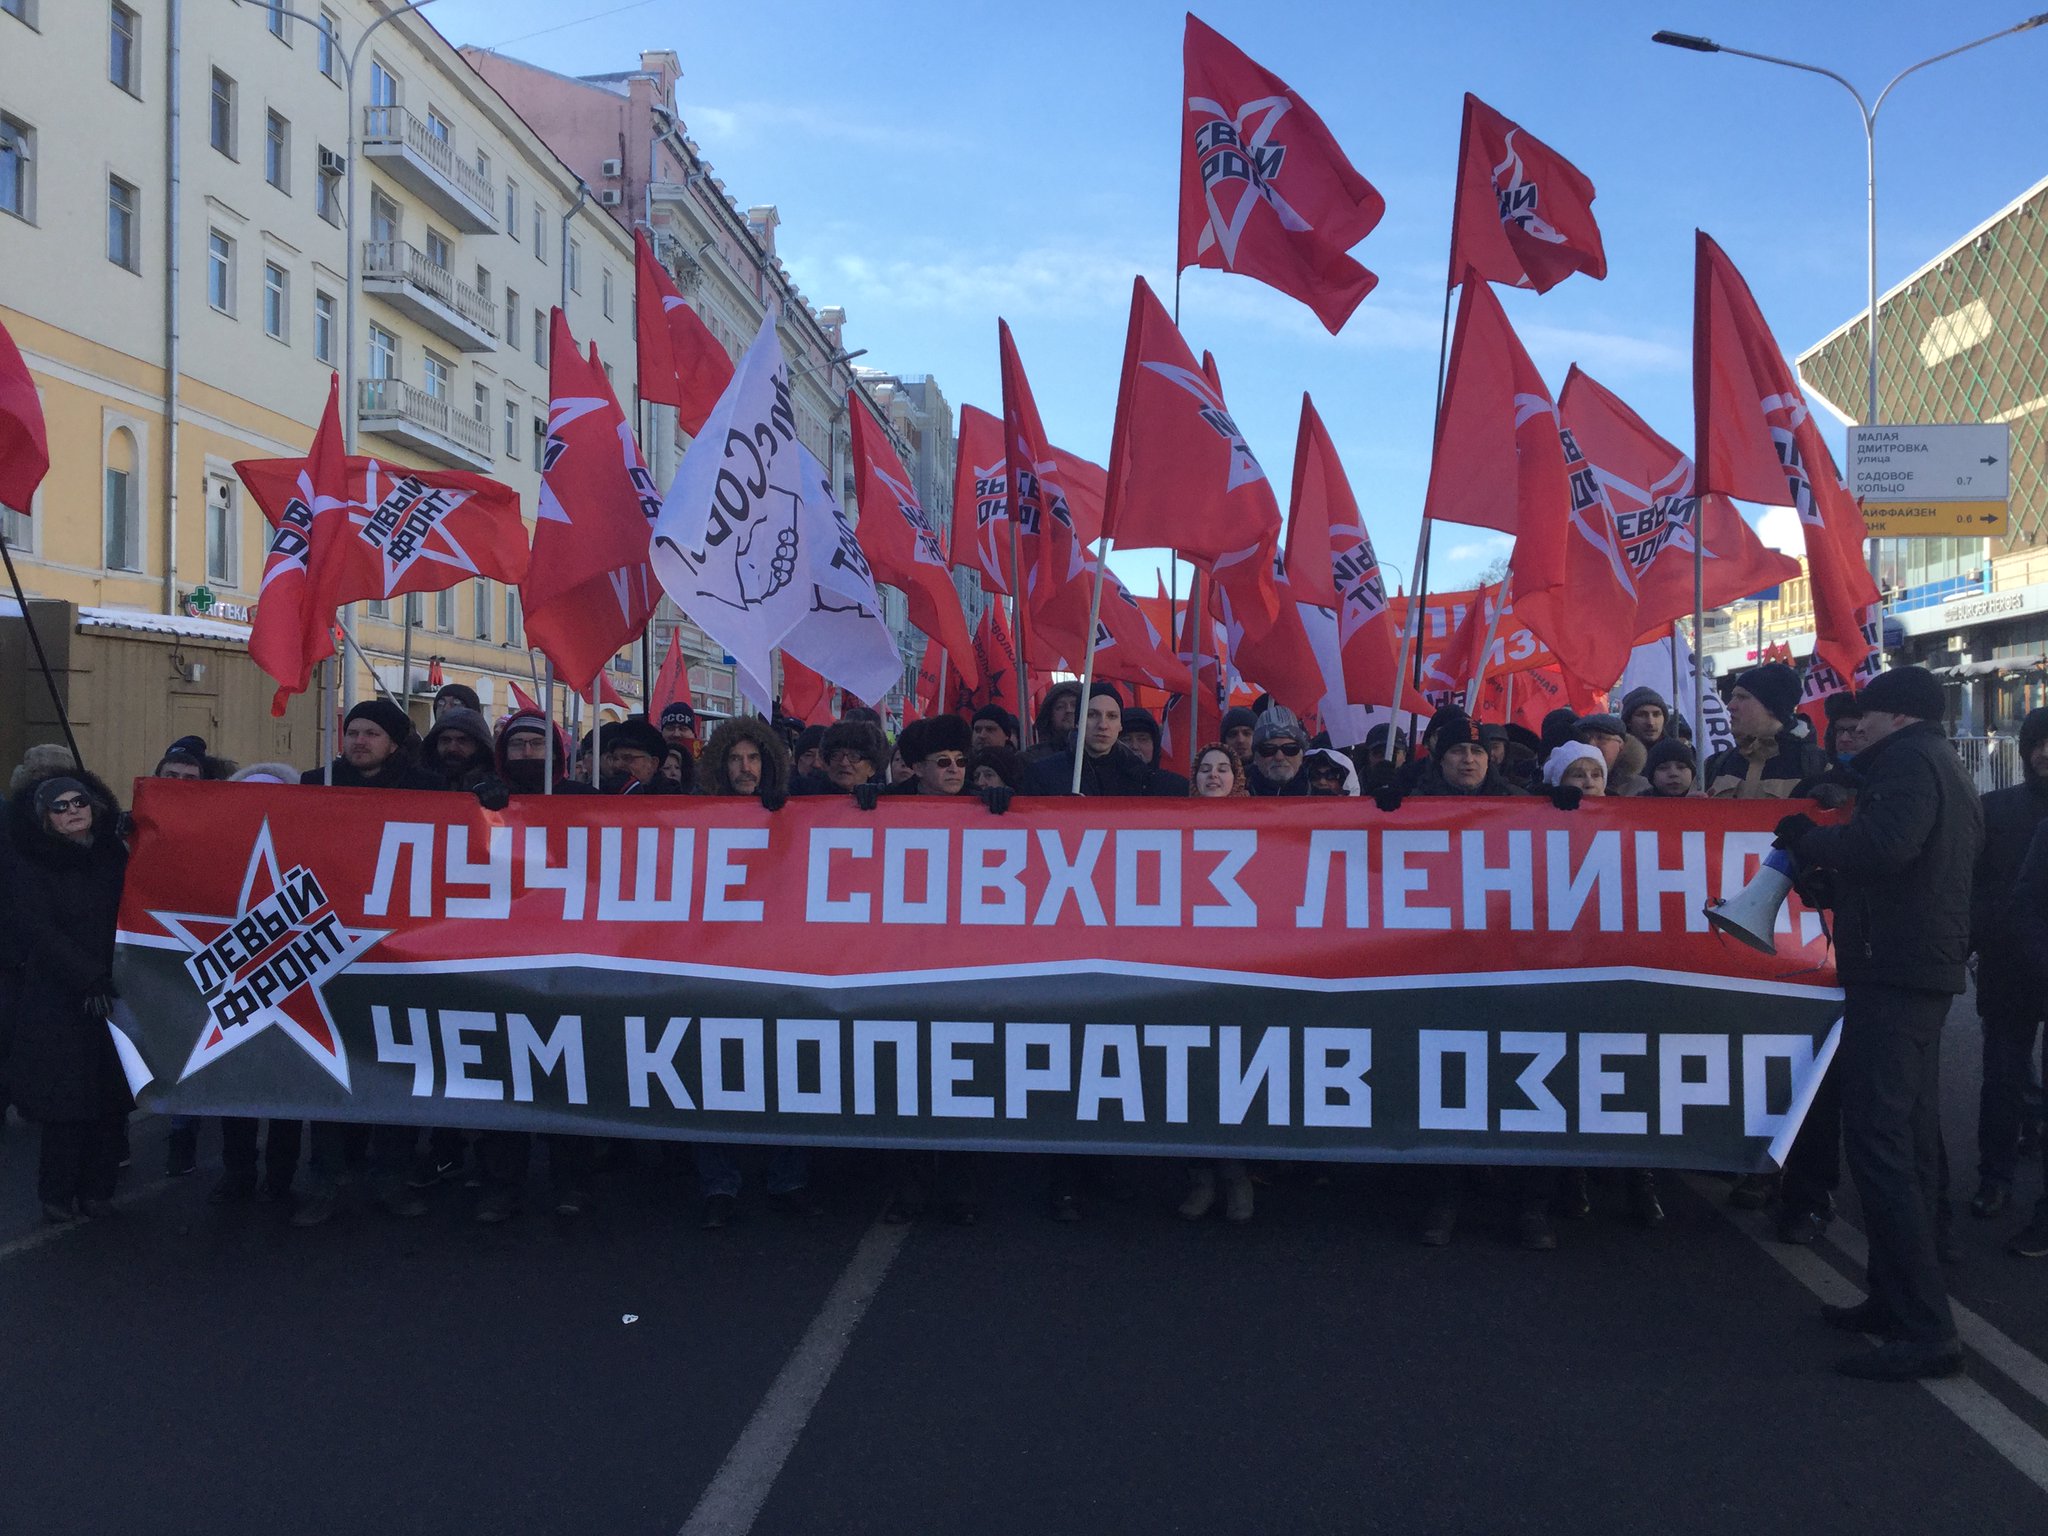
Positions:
{"x": 1751, "y": 915}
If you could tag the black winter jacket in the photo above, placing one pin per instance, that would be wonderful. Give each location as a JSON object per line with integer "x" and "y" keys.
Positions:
{"x": 1119, "y": 771}
{"x": 63, "y": 901}
{"x": 398, "y": 774}
{"x": 1903, "y": 864}
{"x": 2011, "y": 817}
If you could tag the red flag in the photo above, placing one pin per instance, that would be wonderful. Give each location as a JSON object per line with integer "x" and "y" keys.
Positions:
{"x": 1264, "y": 188}
{"x": 901, "y": 545}
{"x": 1129, "y": 646}
{"x": 681, "y": 363}
{"x": 672, "y": 683}
{"x": 606, "y": 693}
{"x": 805, "y": 695}
{"x": 1524, "y": 214}
{"x": 1476, "y": 474}
{"x": 1649, "y": 484}
{"x": 293, "y": 631}
{"x": 1279, "y": 658}
{"x": 1330, "y": 563}
{"x": 922, "y": 701}
{"x": 24, "y": 438}
{"x": 1181, "y": 475}
{"x": 981, "y": 515}
{"x": 409, "y": 530}
{"x": 1756, "y": 440}
{"x": 590, "y": 589}
{"x": 995, "y": 655}
{"x": 1515, "y": 647}
{"x": 1051, "y": 546}
{"x": 524, "y": 701}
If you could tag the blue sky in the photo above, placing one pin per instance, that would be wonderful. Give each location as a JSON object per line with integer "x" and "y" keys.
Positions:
{"x": 939, "y": 164}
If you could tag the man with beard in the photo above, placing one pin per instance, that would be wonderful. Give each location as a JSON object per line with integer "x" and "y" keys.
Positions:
{"x": 377, "y": 741}
{"x": 853, "y": 753}
{"x": 459, "y": 748}
{"x": 1278, "y": 746}
{"x": 745, "y": 756}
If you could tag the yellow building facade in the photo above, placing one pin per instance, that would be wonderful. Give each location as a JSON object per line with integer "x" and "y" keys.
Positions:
{"x": 175, "y": 265}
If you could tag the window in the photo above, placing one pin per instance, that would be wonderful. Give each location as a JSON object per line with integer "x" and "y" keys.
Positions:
{"x": 481, "y": 598}
{"x": 434, "y": 375}
{"x": 220, "y": 272}
{"x": 123, "y": 67}
{"x": 540, "y": 338}
{"x": 323, "y": 328}
{"x": 277, "y": 152}
{"x": 540, "y": 441}
{"x": 575, "y": 266}
{"x": 327, "y": 190}
{"x": 330, "y": 66}
{"x": 605, "y": 287}
{"x": 540, "y": 234}
{"x": 483, "y": 280}
{"x": 385, "y": 220}
{"x": 482, "y": 406}
{"x": 511, "y": 317}
{"x": 383, "y": 85}
{"x": 512, "y": 208}
{"x": 383, "y": 353}
{"x": 378, "y": 608}
{"x": 280, "y": 24}
{"x": 220, "y": 120}
{"x": 511, "y": 429}
{"x": 122, "y": 240}
{"x": 19, "y": 529}
{"x": 437, "y": 248}
{"x": 223, "y": 530}
{"x": 120, "y": 505}
{"x": 437, "y": 125}
{"x": 17, "y": 168}
{"x": 515, "y": 633}
{"x": 277, "y": 302}
{"x": 610, "y": 377}
{"x": 444, "y": 610}
{"x": 483, "y": 164}
{"x": 20, "y": 10}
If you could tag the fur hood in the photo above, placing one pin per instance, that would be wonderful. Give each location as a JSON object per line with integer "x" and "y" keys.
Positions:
{"x": 711, "y": 779}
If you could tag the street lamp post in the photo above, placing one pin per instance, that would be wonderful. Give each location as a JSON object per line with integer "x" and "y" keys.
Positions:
{"x": 1868, "y": 110}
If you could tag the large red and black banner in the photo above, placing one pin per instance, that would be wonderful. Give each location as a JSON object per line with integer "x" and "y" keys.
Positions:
{"x": 1457, "y": 980}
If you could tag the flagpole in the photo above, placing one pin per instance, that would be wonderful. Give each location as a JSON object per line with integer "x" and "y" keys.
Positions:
{"x": 547, "y": 704}
{"x": 405, "y": 663}
{"x": 1507, "y": 708}
{"x": 1194, "y": 664}
{"x": 1500, "y": 601}
{"x": 596, "y": 730}
{"x": 1674, "y": 673}
{"x": 1017, "y": 627}
{"x": 1088, "y": 660}
{"x": 327, "y": 706}
{"x": 1699, "y": 629}
{"x": 35, "y": 640}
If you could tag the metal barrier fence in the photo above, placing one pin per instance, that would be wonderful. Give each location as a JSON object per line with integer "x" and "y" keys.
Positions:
{"x": 1992, "y": 762}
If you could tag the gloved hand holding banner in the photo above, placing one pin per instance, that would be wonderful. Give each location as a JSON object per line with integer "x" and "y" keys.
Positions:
{"x": 1487, "y": 981}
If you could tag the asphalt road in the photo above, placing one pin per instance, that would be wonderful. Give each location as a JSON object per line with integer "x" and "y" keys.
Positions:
{"x": 185, "y": 1369}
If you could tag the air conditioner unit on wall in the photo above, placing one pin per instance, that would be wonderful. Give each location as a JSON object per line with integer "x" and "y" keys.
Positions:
{"x": 610, "y": 197}
{"x": 612, "y": 170}
{"x": 332, "y": 163}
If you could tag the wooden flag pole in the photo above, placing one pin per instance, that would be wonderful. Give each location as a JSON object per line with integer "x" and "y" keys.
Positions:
{"x": 547, "y": 704}
{"x": 1196, "y": 623}
{"x": 1486, "y": 649}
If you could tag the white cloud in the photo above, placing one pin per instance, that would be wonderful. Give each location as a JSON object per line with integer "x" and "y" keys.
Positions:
{"x": 1780, "y": 528}
{"x": 1479, "y": 549}
{"x": 1065, "y": 279}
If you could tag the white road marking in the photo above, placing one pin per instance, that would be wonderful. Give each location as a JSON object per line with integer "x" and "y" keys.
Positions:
{"x": 733, "y": 1499}
{"x": 1997, "y": 1425}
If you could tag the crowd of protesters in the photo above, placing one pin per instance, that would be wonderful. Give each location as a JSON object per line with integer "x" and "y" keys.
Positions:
{"x": 1911, "y": 900}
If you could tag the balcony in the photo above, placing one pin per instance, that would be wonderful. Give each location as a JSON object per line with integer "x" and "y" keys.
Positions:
{"x": 413, "y": 284}
{"x": 394, "y": 409}
{"x": 424, "y": 163}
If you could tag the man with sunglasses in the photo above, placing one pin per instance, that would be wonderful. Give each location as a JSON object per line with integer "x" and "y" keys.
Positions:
{"x": 1278, "y": 745}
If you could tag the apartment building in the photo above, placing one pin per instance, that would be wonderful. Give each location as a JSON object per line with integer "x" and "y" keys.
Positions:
{"x": 178, "y": 233}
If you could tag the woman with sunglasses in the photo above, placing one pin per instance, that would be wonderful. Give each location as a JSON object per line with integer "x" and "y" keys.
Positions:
{"x": 68, "y": 865}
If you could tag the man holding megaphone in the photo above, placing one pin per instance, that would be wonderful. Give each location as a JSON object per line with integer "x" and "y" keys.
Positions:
{"x": 1900, "y": 871}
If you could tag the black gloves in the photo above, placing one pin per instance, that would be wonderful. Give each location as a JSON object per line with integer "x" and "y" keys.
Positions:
{"x": 997, "y": 798}
{"x": 1566, "y": 797}
{"x": 867, "y": 796}
{"x": 1387, "y": 798}
{"x": 492, "y": 793}
{"x": 1791, "y": 829}
{"x": 774, "y": 799}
